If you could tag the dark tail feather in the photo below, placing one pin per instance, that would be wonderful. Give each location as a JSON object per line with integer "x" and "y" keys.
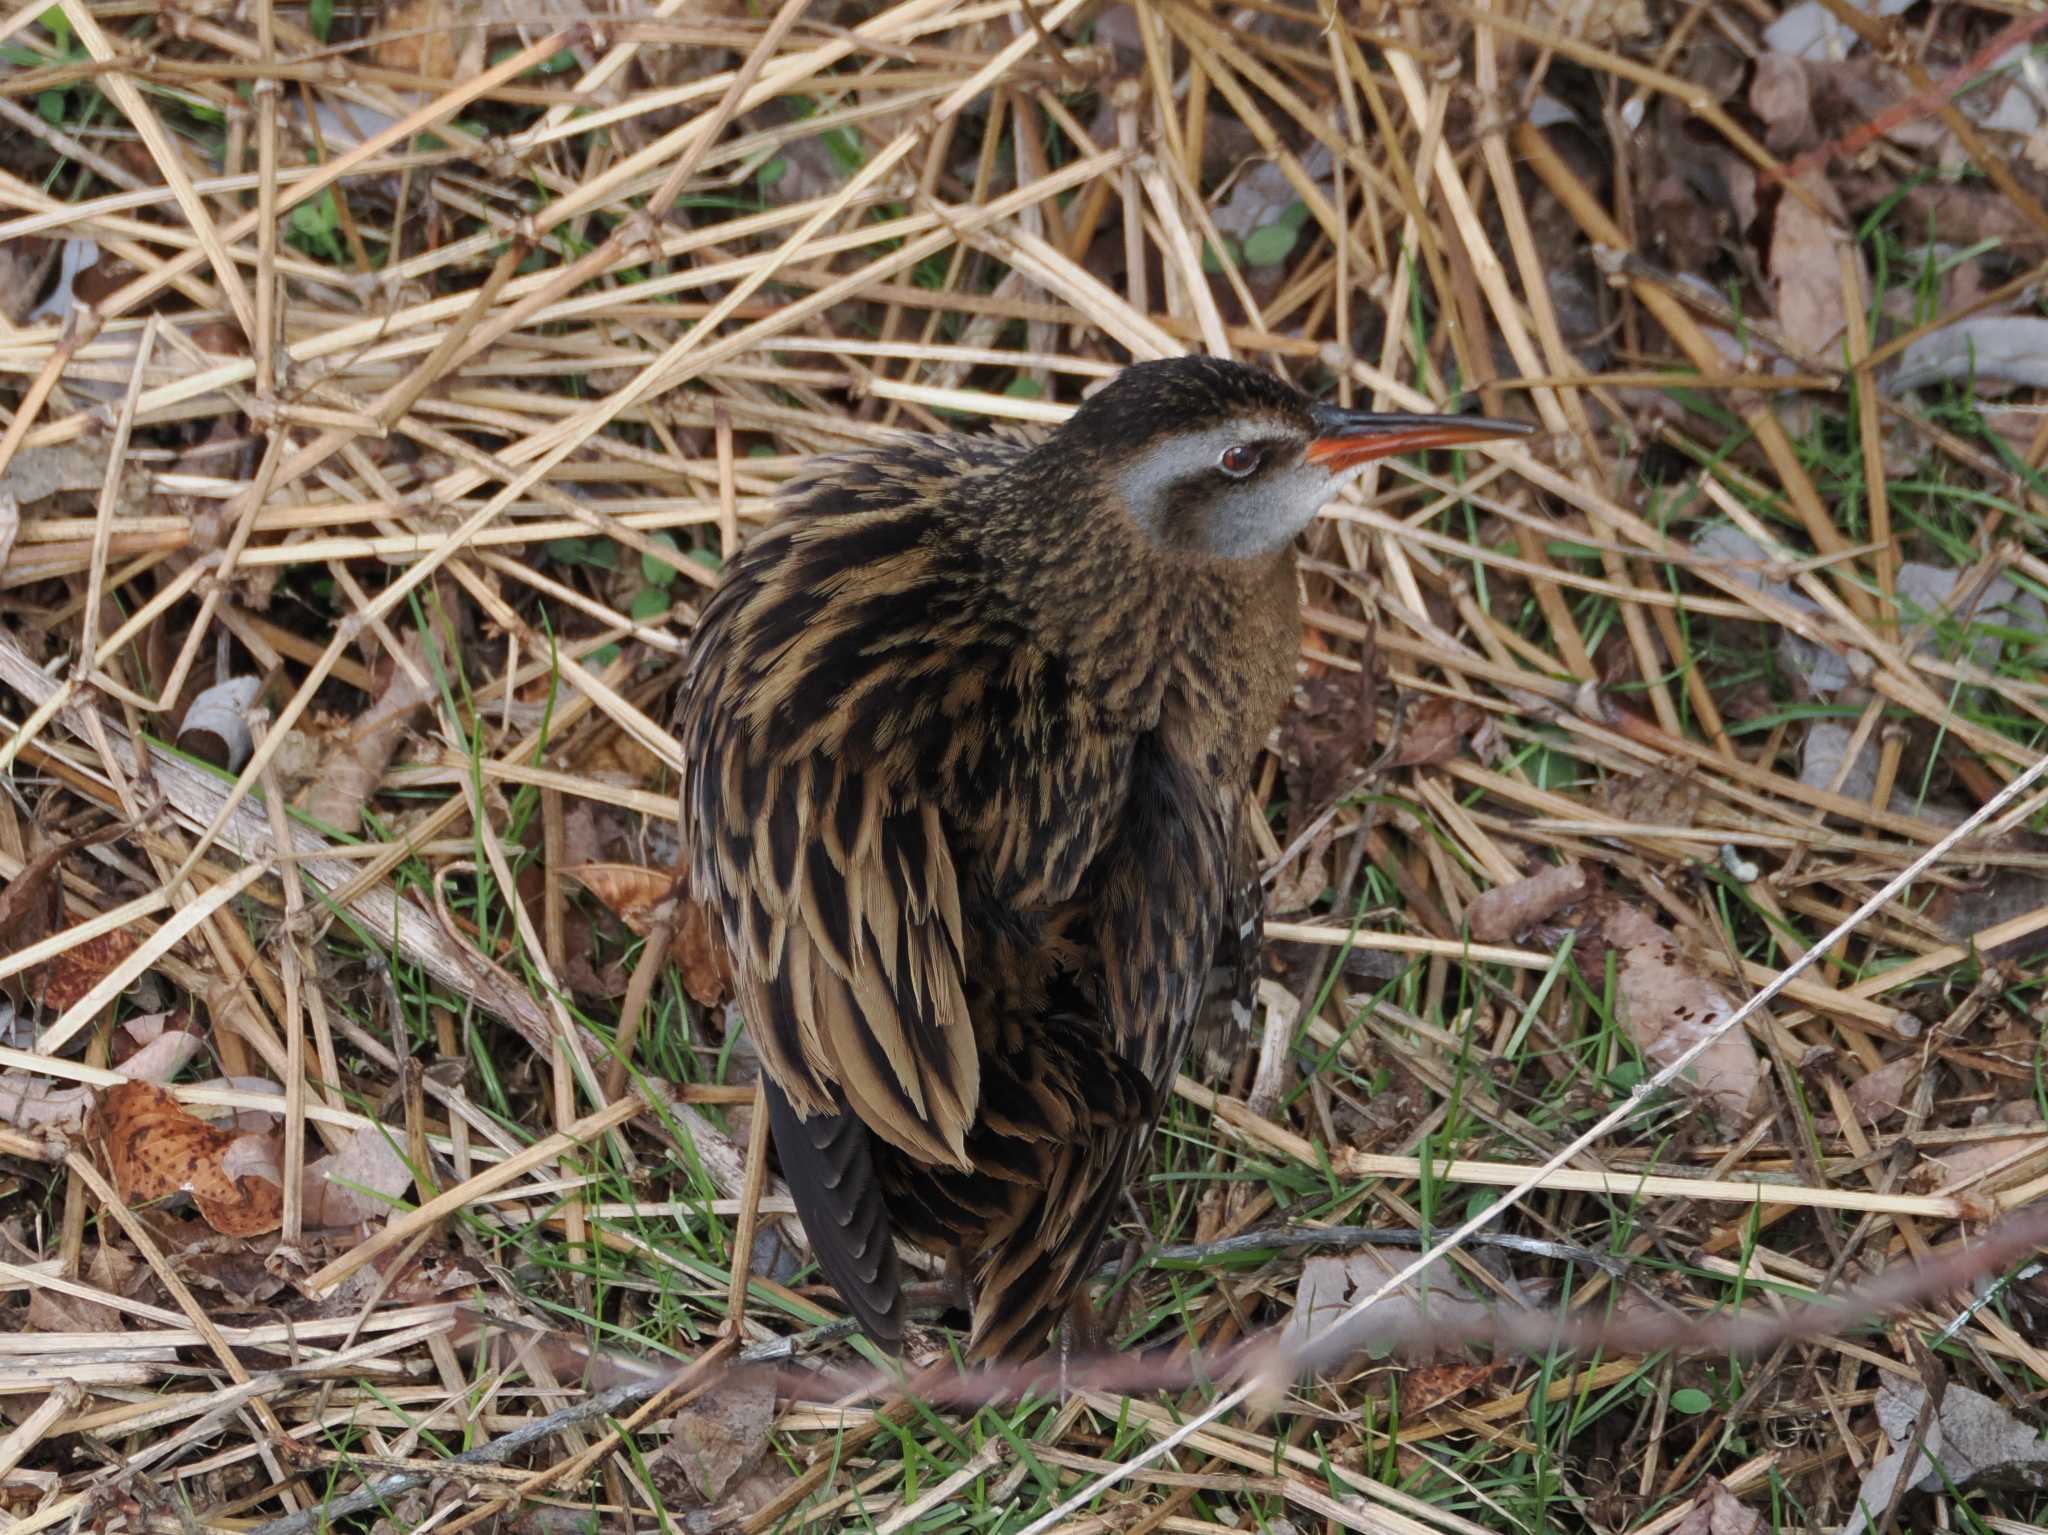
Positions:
{"x": 829, "y": 1163}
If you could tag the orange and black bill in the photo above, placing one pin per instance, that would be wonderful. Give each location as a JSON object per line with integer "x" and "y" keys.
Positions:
{"x": 1347, "y": 438}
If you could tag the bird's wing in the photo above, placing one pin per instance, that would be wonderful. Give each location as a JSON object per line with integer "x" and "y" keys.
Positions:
{"x": 834, "y": 877}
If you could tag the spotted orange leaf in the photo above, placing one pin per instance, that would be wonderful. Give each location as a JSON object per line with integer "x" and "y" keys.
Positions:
{"x": 156, "y": 1148}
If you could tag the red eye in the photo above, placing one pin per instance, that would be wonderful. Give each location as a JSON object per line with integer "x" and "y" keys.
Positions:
{"x": 1239, "y": 460}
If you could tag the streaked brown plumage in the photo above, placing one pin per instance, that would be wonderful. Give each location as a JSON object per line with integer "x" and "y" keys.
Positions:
{"x": 969, "y": 731}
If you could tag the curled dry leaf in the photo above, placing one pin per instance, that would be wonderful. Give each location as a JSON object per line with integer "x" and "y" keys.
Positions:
{"x": 1668, "y": 1002}
{"x": 216, "y": 726}
{"x": 156, "y": 1149}
{"x": 1506, "y": 910}
{"x": 358, "y": 756}
{"x": 641, "y": 898}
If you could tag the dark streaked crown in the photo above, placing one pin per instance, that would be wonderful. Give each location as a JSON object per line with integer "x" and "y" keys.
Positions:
{"x": 1149, "y": 400}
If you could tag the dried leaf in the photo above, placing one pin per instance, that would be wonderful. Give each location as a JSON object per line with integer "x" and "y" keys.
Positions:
{"x": 361, "y": 1181}
{"x": 1506, "y": 910}
{"x": 1717, "y": 1511}
{"x": 1415, "y": 1322}
{"x": 1433, "y": 1385}
{"x": 640, "y": 897}
{"x": 68, "y": 977}
{"x": 718, "y": 1436}
{"x": 30, "y": 1100}
{"x": 216, "y": 726}
{"x": 2005, "y": 348}
{"x": 1667, "y": 1003}
{"x": 1805, "y": 269}
{"x": 440, "y": 39}
{"x": 634, "y": 894}
{"x": 1880, "y": 1094}
{"x": 70, "y": 468}
{"x": 699, "y": 952}
{"x": 33, "y": 904}
{"x": 1433, "y": 731}
{"x": 30, "y": 907}
{"x": 156, "y": 1149}
{"x": 1324, "y": 739}
{"x": 360, "y": 754}
{"x": 1970, "y": 1438}
{"x": 1960, "y": 1166}
{"x": 109, "y": 1272}
{"x": 1809, "y": 30}
{"x": 1782, "y": 99}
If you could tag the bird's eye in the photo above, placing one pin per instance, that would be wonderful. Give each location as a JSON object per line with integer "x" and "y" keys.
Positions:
{"x": 1239, "y": 460}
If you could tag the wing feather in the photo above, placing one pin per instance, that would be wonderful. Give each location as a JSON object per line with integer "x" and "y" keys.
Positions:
{"x": 838, "y": 890}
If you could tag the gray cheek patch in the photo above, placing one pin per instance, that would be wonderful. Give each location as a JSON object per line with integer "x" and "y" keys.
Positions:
{"x": 1148, "y": 484}
{"x": 1244, "y": 518}
{"x": 1261, "y": 515}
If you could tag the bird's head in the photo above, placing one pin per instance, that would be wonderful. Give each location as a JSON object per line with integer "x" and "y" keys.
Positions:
{"x": 1214, "y": 458}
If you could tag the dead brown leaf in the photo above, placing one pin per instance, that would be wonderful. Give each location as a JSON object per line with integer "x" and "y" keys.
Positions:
{"x": 361, "y": 1181}
{"x": 1782, "y": 98}
{"x": 1433, "y": 1385}
{"x": 1880, "y": 1094}
{"x": 700, "y": 953}
{"x": 641, "y": 898}
{"x": 717, "y": 1437}
{"x": 1970, "y": 1438}
{"x": 30, "y": 907}
{"x": 1806, "y": 271}
{"x": 33, "y": 904}
{"x": 68, "y": 977}
{"x": 436, "y": 38}
{"x": 1717, "y": 1511}
{"x": 636, "y": 895}
{"x": 1434, "y": 729}
{"x": 1502, "y": 912}
{"x": 55, "y": 1311}
{"x": 1668, "y": 1002}
{"x": 31, "y": 1100}
{"x": 1958, "y": 1166}
{"x": 156, "y": 1149}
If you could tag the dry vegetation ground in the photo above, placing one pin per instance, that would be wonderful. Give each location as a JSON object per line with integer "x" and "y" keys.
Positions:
{"x": 381, "y": 392}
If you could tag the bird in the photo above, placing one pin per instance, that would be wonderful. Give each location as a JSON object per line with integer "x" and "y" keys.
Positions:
{"x": 968, "y": 732}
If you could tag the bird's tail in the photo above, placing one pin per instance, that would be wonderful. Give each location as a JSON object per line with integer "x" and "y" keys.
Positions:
{"x": 829, "y": 1160}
